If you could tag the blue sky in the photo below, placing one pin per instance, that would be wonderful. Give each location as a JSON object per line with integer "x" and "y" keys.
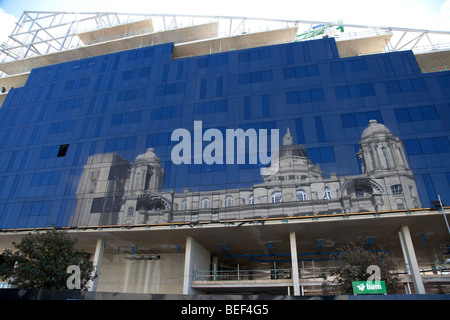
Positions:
{"x": 423, "y": 14}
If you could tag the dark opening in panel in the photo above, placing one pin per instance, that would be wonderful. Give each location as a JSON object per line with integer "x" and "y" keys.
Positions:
{"x": 63, "y": 150}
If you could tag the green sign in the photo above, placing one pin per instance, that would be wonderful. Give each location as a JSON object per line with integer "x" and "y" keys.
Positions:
{"x": 369, "y": 287}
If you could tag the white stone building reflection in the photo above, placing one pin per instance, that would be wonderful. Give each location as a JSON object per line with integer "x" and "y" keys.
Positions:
{"x": 113, "y": 191}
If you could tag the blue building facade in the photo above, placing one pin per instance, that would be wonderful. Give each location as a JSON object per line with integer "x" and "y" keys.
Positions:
{"x": 128, "y": 102}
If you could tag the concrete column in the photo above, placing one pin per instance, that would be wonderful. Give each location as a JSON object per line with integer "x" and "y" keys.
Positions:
{"x": 411, "y": 260}
{"x": 405, "y": 258}
{"x": 98, "y": 255}
{"x": 215, "y": 266}
{"x": 197, "y": 259}
{"x": 294, "y": 259}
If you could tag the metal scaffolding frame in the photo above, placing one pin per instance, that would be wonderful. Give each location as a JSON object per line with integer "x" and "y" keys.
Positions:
{"x": 44, "y": 32}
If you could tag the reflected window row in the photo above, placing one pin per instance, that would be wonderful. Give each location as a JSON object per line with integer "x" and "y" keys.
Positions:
{"x": 275, "y": 197}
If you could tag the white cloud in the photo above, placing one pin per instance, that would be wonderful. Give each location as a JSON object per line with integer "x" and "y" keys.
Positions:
{"x": 445, "y": 9}
{"x": 7, "y": 23}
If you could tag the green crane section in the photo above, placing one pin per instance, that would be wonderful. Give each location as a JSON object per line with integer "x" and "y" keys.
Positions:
{"x": 319, "y": 30}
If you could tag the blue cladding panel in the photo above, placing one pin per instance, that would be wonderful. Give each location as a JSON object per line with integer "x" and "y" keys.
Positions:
{"x": 129, "y": 101}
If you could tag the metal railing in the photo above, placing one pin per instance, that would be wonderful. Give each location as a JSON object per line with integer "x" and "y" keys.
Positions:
{"x": 243, "y": 275}
{"x": 310, "y": 273}
{"x": 313, "y": 272}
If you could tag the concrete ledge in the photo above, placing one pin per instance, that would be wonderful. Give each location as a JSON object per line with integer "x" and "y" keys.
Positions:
{"x": 187, "y": 34}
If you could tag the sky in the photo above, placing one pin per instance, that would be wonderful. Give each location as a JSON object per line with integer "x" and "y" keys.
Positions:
{"x": 420, "y": 14}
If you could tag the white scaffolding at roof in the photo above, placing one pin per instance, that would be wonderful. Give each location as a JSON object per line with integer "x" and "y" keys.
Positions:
{"x": 40, "y": 33}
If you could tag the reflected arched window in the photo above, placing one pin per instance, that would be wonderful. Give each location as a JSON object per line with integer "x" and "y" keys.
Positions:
{"x": 386, "y": 157}
{"x": 130, "y": 211}
{"x": 137, "y": 181}
{"x": 251, "y": 199}
{"x": 277, "y": 197}
{"x": 148, "y": 180}
{"x": 326, "y": 193}
{"x": 372, "y": 159}
{"x": 184, "y": 205}
{"x": 401, "y": 206}
{"x": 301, "y": 195}
{"x": 229, "y": 201}
{"x": 397, "y": 189}
{"x": 205, "y": 203}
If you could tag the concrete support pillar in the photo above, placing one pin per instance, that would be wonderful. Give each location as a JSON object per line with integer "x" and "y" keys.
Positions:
{"x": 294, "y": 259}
{"x": 405, "y": 258}
{"x": 215, "y": 266}
{"x": 98, "y": 255}
{"x": 411, "y": 260}
{"x": 197, "y": 259}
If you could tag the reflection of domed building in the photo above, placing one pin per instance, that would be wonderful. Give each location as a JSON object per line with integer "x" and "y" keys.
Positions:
{"x": 381, "y": 151}
{"x": 385, "y": 170}
{"x": 114, "y": 191}
{"x": 146, "y": 178}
